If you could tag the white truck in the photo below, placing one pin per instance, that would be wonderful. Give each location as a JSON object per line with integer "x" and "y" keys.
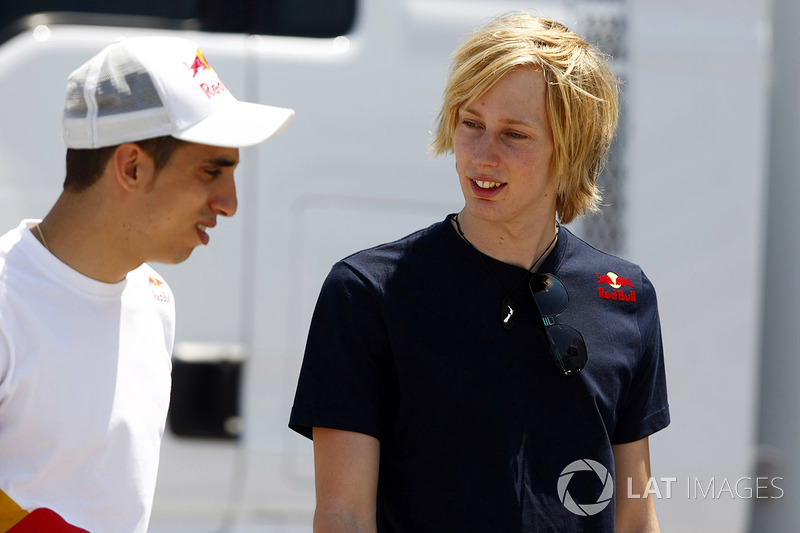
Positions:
{"x": 700, "y": 190}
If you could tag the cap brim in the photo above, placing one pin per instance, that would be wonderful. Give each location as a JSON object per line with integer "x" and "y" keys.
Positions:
{"x": 239, "y": 125}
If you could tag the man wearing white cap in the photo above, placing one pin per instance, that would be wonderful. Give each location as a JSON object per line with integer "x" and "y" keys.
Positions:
{"x": 86, "y": 327}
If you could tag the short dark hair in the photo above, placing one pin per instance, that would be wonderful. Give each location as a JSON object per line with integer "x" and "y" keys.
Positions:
{"x": 85, "y": 166}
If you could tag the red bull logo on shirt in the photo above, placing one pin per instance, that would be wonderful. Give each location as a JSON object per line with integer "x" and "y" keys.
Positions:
{"x": 158, "y": 293}
{"x": 617, "y": 283}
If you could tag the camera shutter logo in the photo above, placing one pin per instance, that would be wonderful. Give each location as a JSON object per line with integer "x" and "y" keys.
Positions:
{"x": 585, "y": 509}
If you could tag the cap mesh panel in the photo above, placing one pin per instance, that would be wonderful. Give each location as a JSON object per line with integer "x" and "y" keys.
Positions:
{"x": 75, "y": 102}
{"x": 120, "y": 77}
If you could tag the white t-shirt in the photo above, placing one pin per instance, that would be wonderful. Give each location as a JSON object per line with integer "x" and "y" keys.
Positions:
{"x": 84, "y": 387}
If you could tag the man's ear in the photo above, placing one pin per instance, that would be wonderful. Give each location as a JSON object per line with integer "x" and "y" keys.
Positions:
{"x": 132, "y": 167}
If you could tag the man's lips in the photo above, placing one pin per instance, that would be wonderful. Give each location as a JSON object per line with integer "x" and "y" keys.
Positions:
{"x": 201, "y": 232}
{"x": 486, "y": 188}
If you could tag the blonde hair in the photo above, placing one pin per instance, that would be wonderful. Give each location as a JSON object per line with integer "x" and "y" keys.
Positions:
{"x": 582, "y": 97}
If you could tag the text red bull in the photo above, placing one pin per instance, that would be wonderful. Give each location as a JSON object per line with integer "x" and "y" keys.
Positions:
{"x": 616, "y": 282}
{"x": 617, "y": 295}
{"x": 213, "y": 89}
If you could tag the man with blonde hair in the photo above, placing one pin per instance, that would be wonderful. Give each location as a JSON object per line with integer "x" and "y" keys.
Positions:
{"x": 493, "y": 371}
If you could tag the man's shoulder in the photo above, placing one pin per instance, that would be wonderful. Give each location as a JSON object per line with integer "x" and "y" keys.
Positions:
{"x": 587, "y": 269}
{"x": 392, "y": 253}
{"x": 14, "y": 259}
{"x": 9, "y": 239}
{"x": 583, "y": 257}
{"x": 146, "y": 280}
{"x": 145, "y": 272}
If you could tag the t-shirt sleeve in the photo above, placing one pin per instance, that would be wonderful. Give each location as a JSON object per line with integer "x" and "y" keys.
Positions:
{"x": 6, "y": 363}
{"x": 342, "y": 383}
{"x": 644, "y": 408}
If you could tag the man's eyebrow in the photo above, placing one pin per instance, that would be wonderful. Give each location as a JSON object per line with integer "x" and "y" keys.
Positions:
{"x": 223, "y": 162}
{"x": 512, "y": 121}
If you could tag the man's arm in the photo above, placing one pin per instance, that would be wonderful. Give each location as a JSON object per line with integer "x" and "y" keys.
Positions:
{"x": 346, "y": 468}
{"x": 635, "y": 515}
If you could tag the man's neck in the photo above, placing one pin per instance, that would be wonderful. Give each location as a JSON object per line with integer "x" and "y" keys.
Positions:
{"x": 524, "y": 244}
{"x": 78, "y": 232}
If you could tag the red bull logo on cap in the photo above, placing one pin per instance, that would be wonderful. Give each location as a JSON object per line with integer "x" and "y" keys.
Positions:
{"x": 199, "y": 63}
{"x": 617, "y": 283}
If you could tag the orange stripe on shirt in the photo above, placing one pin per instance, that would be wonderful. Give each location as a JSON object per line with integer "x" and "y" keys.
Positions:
{"x": 10, "y": 512}
{"x": 15, "y": 519}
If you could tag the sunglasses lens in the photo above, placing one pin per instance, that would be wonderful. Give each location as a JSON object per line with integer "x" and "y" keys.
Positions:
{"x": 569, "y": 348}
{"x": 549, "y": 293}
{"x": 566, "y": 343}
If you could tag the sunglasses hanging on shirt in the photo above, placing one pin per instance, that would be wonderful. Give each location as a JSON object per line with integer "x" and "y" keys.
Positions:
{"x": 507, "y": 309}
{"x": 567, "y": 346}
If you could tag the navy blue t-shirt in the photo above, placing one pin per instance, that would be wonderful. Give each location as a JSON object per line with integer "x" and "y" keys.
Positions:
{"x": 479, "y": 429}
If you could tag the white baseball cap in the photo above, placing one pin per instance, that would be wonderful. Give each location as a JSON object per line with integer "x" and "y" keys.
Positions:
{"x": 146, "y": 87}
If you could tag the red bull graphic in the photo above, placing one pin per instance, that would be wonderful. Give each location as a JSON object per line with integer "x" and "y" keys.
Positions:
{"x": 159, "y": 294}
{"x": 617, "y": 283}
{"x": 199, "y": 63}
{"x": 213, "y": 89}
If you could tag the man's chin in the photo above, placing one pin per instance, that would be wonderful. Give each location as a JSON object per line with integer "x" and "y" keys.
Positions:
{"x": 173, "y": 259}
